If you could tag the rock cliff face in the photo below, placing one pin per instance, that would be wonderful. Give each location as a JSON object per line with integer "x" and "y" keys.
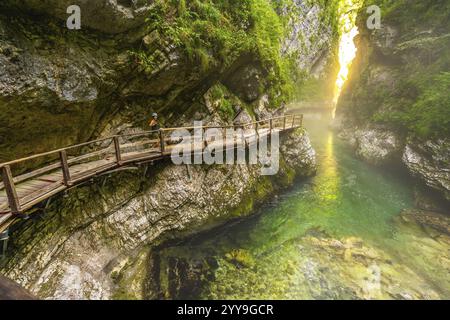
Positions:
{"x": 122, "y": 66}
{"x": 93, "y": 244}
{"x": 430, "y": 162}
{"x": 111, "y": 16}
{"x": 59, "y": 87}
{"x": 375, "y": 145}
{"x": 395, "y": 108}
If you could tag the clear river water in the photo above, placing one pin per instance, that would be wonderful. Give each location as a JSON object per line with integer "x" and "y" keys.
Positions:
{"x": 342, "y": 234}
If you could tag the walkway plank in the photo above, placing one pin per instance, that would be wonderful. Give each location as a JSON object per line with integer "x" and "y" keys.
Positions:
{"x": 42, "y": 183}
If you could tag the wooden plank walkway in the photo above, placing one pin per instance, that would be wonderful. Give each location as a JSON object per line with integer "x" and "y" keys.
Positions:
{"x": 19, "y": 194}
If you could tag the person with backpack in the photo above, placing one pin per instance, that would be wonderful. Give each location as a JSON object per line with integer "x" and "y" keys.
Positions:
{"x": 154, "y": 124}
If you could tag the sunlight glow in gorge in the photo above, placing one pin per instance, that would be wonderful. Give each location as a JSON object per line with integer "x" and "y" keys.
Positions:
{"x": 347, "y": 53}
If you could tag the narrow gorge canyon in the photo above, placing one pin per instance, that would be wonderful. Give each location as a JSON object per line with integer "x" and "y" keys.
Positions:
{"x": 359, "y": 208}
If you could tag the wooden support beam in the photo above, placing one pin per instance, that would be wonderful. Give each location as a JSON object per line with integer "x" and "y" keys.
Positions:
{"x": 293, "y": 121}
{"x": 301, "y": 120}
{"x": 4, "y": 248}
{"x": 11, "y": 191}
{"x": 269, "y": 137}
{"x": 4, "y": 237}
{"x": 10, "y": 290}
{"x": 117, "y": 150}
{"x": 205, "y": 141}
{"x": 161, "y": 141}
{"x": 257, "y": 139}
{"x": 284, "y": 123}
{"x": 65, "y": 168}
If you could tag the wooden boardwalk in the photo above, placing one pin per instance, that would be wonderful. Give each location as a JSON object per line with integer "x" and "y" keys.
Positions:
{"x": 66, "y": 168}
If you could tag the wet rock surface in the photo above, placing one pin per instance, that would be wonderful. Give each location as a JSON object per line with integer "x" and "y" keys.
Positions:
{"x": 430, "y": 162}
{"x": 375, "y": 145}
{"x": 93, "y": 244}
{"x": 427, "y": 220}
{"x": 69, "y": 86}
{"x": 120, "y": 15}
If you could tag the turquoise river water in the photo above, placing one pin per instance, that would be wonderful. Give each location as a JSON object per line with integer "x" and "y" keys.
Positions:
{"x": 338, "y": 235}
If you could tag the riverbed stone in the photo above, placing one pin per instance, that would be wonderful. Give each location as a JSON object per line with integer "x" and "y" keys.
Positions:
{"x": 312, "y": 267}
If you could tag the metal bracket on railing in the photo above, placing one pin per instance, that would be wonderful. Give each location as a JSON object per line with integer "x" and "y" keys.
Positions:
{"x": 4, "y": 237}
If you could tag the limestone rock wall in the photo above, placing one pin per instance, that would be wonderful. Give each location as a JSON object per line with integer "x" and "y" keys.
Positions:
{"x": 59, "y": 87}
{"x": 394, "y": 106}
{"x": 93, "y": 244}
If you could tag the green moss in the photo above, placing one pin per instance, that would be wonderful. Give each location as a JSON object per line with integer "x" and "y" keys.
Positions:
{"x": 131, "y": 277}
{"x": 287, "y": 175}
{"x": 425, "y": 111}
{"x": 408, "y": 14}
{"x": 225, "y": 101}
{"x": 241, "y": 258}
{"x": 213, "y": 34}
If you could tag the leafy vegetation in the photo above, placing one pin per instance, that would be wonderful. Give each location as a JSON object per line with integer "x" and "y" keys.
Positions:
{"x": 409, "y": 14}
{"x": 225, "y": 104}
{"x": 426, "y": 114}
{"x": 213, "y": 34}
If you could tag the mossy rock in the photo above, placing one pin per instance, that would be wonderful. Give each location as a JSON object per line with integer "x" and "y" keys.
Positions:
{"x": 240, "y": 257}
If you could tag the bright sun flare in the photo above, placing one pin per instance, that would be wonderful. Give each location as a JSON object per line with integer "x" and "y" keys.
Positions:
{"x": 347, "y": 53}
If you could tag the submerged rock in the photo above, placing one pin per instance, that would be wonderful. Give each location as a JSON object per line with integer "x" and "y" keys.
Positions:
{"x": 240, "y": 258}
{"x": 321, "y": 267}
{"x": 427, "y": 219}
{"x": 378, "y": 146}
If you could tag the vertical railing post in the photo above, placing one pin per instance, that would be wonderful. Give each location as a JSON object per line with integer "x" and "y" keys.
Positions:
{"x": 269, "y": 136}
{"x": 65, "y": 168}
{"x": 117, "y": 150}
{"x": 11, "y": 192}
{"x": 205, "y": 142}
{"x": 284, "y": 123}
{"x": 257, "y": 135}
{"x": 301, "y": 120}
{"x": 4, "y": 237}
{"x": 243, "y": 139}
{"x": 293, "y": 121}
{"x": 161, "y": 141}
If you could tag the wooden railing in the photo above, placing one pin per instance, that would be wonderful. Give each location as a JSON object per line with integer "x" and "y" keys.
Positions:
{"x": 66, "y": 167}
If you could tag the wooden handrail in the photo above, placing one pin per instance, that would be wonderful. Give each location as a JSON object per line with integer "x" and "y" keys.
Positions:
{"x": 114, "y": 148}
{"x": 57, "y": 151}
